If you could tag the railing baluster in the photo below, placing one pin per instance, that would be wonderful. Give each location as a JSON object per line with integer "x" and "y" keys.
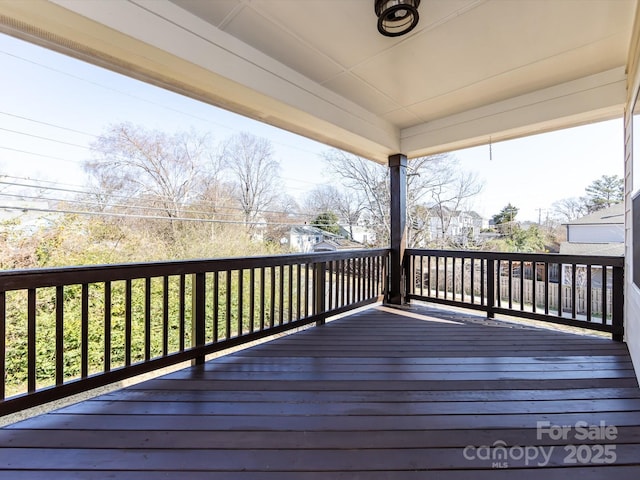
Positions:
{"x": 228, "y": 313}
{"x": 492, "y": 279}
{"x": 147, "y": 318}
{"x": 534, "y": 285}
{"x": 604, "y": 294}
{"x": 298, "y": 291}
{"x": 472, "y": 279}
{"x": 437, "y": 277}
{"x": 453, "y": 279}
{"x": 272, "y": 298}
{"x": 290, "y": 294}
{"x": 240, "y": 297}
{"x": 84, "y": 335}
{"x": 421, "y": 275}
{"x": 216, "y": 306}
{"x": 510, "y": 286}
{"x": 446, "y": 276}
{"x": 319, "y": 277}
{"x": 281, "y": 297}
{"x": 573, "y": 290}
{"x": 59, "y": 333}
{"x": 306, "y": 290}
{"x": 560, "y": 285}
{"x": 330, "y": 286}
{"x": 589, "y": 293}
{"x": 107, "y": 326}
{"x": 358, "y": 264}
{"x": 368, "y": 276}
{"x": 498, "y": 279}
{"x": 546, "y": 288}
{"x": 165, "y": 315}
{"x": 127, "y": 321}
{"x": 483, "y": 283}
{"x": 31, "y": 340}
{"x": 262, "y": 298}
{"x": 252, "y": 299}
{"x": 182, "y": 313}
{"x": 352, "y": 281}
{"x": 617, "y": 301}
{"x": 522, "y": 285}
{"x": 198, "y": 314}
{"x": 462, "y": 271}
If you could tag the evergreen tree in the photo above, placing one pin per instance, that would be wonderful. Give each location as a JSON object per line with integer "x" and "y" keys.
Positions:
{"x": 604, "y": 192}
{"x": 327, "y": 221}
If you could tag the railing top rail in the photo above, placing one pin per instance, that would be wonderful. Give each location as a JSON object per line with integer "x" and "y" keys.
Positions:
{"x": 610, "y": 261}
{"x": 56, "y": 276}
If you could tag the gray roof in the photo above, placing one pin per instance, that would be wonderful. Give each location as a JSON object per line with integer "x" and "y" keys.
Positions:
{"x": 577, "y": 248}
{"x": 611, "y": 215}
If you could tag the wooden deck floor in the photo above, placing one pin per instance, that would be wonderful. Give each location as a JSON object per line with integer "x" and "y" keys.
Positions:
{"x": 376, "y": 395}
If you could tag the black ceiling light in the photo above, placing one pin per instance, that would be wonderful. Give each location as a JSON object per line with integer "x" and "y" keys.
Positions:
{"x": 396, "y": 17}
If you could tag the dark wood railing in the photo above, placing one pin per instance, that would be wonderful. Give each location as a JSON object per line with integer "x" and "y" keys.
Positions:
{"x": 66, "y": 330}
{"x": 581, "y": 291}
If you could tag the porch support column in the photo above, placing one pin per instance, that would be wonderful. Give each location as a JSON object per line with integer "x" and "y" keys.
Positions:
{"x": 398, "y": 184}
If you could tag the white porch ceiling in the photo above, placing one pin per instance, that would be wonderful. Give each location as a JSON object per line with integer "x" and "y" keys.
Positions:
{"x": 470, "y": 71}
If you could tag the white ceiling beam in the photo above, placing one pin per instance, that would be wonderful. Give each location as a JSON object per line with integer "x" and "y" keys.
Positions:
{"x": 589, "y": 99}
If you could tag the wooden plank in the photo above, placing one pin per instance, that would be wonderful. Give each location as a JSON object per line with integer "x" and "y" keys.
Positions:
{"x": 287, "y": 460}
{"x": 302, "y": 385}
{"x": 364, "y": 423}
{"x": 143, "y": 407}
{"x": 268, "y": 440}
{"x": 545, "y": 362}
{"x": 406, "y": 376}
{"x": 357, "y": 396}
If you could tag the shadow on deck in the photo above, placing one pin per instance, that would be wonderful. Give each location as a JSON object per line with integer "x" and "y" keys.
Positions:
{"x": 381, "y": 394}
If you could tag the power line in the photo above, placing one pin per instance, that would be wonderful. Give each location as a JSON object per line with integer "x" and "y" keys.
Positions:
{"x": 39, "y": 154}
{"x": 31, "y": 135}
{"x": 153, "y": 217}
{"x": 128, "y": 197}
{"x": 127, "y": 206}
{"x": 48, "y": 124}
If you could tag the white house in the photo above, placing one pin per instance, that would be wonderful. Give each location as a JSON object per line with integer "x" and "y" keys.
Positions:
{"x": 599, "y": 233}
{"x": 461, "y": 226}
{"x": 303, "y": 238}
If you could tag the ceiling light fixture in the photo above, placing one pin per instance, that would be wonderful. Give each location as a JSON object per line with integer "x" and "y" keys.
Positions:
{"x": 396, "y": 17}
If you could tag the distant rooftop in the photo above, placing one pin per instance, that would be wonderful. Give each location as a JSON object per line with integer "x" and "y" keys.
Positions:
{"x": 580, "y": 248}
{"x": 611, "y": 215}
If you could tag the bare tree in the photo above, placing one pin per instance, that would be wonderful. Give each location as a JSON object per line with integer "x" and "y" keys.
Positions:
{"x": 434, "y": 180}
{"x": 453, "y": 189}
{"x": 283, "y": 215}
{"x": 569, "y": 209}
{"x": 368, "y": 183}
{"x": 330, "y": 199}
{"x": 254, "y": 172}
{"x": 151, "y": 167}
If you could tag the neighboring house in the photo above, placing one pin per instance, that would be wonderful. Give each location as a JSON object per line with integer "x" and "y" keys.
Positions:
{"x": 312, "y": 239}
{"x": 331, "y": 245}
{"x": 362, "y": 235}
{"x": 303, "y": 238}
{"x": 599, "y": 233}
{"x": 462, "y": 226}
